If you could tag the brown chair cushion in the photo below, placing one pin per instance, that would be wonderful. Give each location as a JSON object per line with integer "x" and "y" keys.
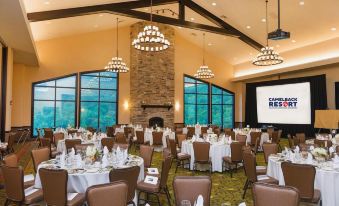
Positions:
{"x": 148, "y": 187}
{"x": 315, "y": 199}
{"x": 78, "y": 200}
{"x": 34, "y": 197}
{"x": 269, "y": 180}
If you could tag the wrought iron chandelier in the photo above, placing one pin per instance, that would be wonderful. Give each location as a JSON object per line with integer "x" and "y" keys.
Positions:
{"x": 116, "y": 64}
{"x": 267, "y": 55}
{"x": 151, "y": 39}
{"x": 204, "y": 72}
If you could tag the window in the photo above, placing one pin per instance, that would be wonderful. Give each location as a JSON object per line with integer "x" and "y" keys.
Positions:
{"x": 54, "y": 103}
{"x": 222, "y": 107}
{"x": 196, "y": 101}
{"x": 98, "y": 99}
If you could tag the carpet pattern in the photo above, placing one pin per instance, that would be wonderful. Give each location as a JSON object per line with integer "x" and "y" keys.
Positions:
{"x": 225, "y": 190}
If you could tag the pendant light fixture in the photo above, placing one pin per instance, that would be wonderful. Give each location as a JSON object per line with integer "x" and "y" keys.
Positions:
{"x": 151, "y": 39}
{"x": 267, "y": 55}
{"x": 204, "y": 72}
{"x": 116, "y": 64}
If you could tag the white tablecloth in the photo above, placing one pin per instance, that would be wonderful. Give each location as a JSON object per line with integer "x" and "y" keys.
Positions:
{"x": 78, "y": 183}
{"x": 326, "y": 181}
{"x": 217, "y": 152}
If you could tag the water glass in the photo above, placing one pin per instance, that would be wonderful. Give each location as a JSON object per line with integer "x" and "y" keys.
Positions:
{"x": 185, "y": 203}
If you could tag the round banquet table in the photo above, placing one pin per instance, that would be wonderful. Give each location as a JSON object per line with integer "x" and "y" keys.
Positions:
{"x": 218, "y": 150}
{"x": 326, "y": 180}
{"x": 79, "y": 182}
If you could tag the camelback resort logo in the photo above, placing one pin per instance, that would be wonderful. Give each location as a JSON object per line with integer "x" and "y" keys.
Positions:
{"x": 282, "y": 103}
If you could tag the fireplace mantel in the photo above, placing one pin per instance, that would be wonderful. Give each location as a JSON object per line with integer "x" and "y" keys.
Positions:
{"x": 145, "y": 106}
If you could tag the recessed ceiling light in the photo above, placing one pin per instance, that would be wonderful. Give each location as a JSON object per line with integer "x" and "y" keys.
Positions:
{"x": 179, "y": 27}
{"x": 101, "y": 15}
{"x": 192, "y": 19}
{"x": 248, "y": 27}
{"x": 333, "y": 29}
{"x": 96, "y": 26}
{"x": 294, "y": 41}
{"x": 277, "y": 46}
{"x": 209, "y": 44}
{"x": 146, "y": 9}
{"x": 214, "y": 4}
{"x": 301, "y": 3}
{"x": 263, "y": 20}
{"x": 251, "y": 54}
{"x": 47, "y": 2}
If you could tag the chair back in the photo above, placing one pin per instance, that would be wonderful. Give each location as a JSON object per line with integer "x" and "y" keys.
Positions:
{"x": 217, "y": 131}
{"x": 227, "y": 130}
{"x": 189, "y": 188}
{"x": 11, "y": 160}
{"x": 13, "y": 182}
{"x": 121, "y": 146}
{"x": 178, "y": 130}
{"x": 270, "y": 130}
{"x": 110, "y": 131}
{"x": 128, "y": 131}
{"x": 54, "y": 186}
{"x": 250, "y": 166}
{"x": 254, "y": 137}
{"x": 201, "y": 151}
{"x": 269, "y": 148}
{"x": 204, "y": 130}
{"x": 108, "y": 142}
{"x": 72, "y": 131}
{"x": 82, "y": 147}
{"x": 300, "y": 176}
{"x": 301, "y": 137}
{"x": 173, "y": 148}
{"x": 120, "y": 138}
{"x": 157, "y": 138}
{"x": 48, "y": 134}
{"x": 39, "y": 155}
{"x": 166, "y": 166}
{"x": 45, "y": 142}
{"x": 236, "y": 152}
{"x": 70, "y": 143}
{"x": 290, "y": 141}
{"x": 130, "y": 176}
{"x": 180, "y": 138}
{"x": 98, "y": 194}
{"x": 146, "y": 152}
{"x": 230, "y": 134}
{"x": 140, "y": 136}
{"x": 268, "y": 194}
{"x": 11, "y": 141}
{"x": 58, "y": 136}
{"x": 241, "y": 138}
{"x": 275, "y": 137}
{"x": 190, "y": 131}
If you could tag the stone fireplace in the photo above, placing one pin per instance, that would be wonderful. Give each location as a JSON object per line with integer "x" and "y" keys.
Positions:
{"x": 152, "y": 80}
{"x": 156, "y": 121}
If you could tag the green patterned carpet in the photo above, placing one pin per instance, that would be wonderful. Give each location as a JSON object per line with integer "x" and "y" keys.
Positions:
{"x": 224, "y": 190}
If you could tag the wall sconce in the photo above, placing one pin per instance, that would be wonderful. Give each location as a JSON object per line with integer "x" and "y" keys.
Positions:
{"x": 126, "y": 105}
{"x": 177, "y": 106}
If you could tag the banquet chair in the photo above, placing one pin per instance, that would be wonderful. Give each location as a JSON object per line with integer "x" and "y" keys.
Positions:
{"x": 72, "y": 131}
{"x": 189, "y": 188}
{"x": 11, "y": 160}
{"x": 323, "y": 143}
{"x": 121, "y": 146}
{"x": 230, "y": 134}
{"x": 54, "y": 187}
{"x": 46, "y": 142}
{"x": 202, "y": 154}
{"x": 160, "y": 187}
{"x": 270, "y": 130}
{"x": 130, "y": 176}
{"x": 108, "y": 142}
{"x": 166, "y": 153}
{"x": 91, "y": 129}
{"x": 268, "y": 195}
{"x": 157, "y": 138}
{"x": 180, "y": 138}
{"x": 251, "y": 173}
{"x": 204, "y": 130}
{"x": 10, "y": 143}
{"x": 146, "y": 152}
{"x": 301, "y": 137}
{"x": 128, "y": 131}
{"x": 180, "y": 158}
{"x": 217, "y": 131}
{"x": 120, "y": 138}
{"x": 57, "y": 137}
{"x": 178, "y": 130}
{"x": 15, "y": 189}
{"x": 254, "y": 137}
{"x": 269, "y": 148}
{"x": 140, "y": 139}
{"x": 227, "y": 130}
{"x": 82, "y": 147}
{"x": 241, "y": 138}
{"x": 38, "y": 156}
{"x": 48, "y": 133}
{"x": 97, "y": 195}
{"x": 190, "y": 132}
{"x": 110, "y": 131}
{"x": 256, "y": 146}
{"x": 70, "y": 143}
{"x": 301, "y": 177}
{"x": 234, "y": 159}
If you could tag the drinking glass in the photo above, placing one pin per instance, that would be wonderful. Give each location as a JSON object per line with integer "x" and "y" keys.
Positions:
{"x": 185, "y": 203}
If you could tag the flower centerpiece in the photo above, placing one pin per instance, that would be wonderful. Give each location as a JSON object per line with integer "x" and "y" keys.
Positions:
{"x": 92, "y": 153}
{"x": 89, "y": 135}
{"x": 320, "y": 154}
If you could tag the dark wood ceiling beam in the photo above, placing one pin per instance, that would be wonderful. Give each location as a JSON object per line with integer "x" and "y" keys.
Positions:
{"x": 182, "y": 10}
{"x": 219, "y": 22}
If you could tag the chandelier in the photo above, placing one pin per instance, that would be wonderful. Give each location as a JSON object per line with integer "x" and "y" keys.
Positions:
{"x": 116, "y": 64}
{"x": 151, "y": 39}
{"x": 267, "y": 55}
{"x": 204, "y": 72}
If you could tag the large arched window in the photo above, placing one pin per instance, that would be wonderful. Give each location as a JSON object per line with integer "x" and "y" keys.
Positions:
{"x": 54, "y": 103}
{"x": 98, "y": 99}
{"x": 222, "y": 107}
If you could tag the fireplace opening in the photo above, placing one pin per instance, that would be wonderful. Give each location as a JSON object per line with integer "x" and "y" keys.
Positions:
{"x": 156, "y": 121}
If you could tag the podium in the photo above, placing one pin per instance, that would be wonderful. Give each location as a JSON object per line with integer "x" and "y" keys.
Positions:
{"x": 326, "y": 119}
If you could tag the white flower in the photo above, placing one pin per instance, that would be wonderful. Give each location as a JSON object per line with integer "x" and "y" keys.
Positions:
{"x": 91, "y": 151}
{"x": 319, "y": 152}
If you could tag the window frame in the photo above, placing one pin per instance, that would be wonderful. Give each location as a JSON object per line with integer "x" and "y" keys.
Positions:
{"x": 55, "y": 97}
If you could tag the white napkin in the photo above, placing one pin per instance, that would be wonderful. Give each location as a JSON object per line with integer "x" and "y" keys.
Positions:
{"x": 309, "y": 158}
{"x": 229, "y": 139}
{"x": 297, "y": 149}
{"x": 312, "y": 148}
{"x": 62, "y": 159}
{"x": 200, "y": 201}
{"x": 104, "y": 161}
{"x": 78, "y": 160}
{"x": 72, "y": 153}
{"x": 242, "y": 204}
{"x": 106, "y": 150}
{"x": 336, "y": 159}
{"x": 331, "y": 150}
{"x": 70, "y": 136}
{"x": 28, "y": 178}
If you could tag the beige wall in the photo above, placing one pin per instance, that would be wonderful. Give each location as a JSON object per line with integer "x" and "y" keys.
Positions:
{"x": 9, "y": 89}
{"x": 332, "y": 76}
{"x": 92, "y": 51}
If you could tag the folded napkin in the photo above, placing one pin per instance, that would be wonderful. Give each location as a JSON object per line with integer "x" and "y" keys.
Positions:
{"x": 312, "y": 148}
{"x": 331, "y": 150}
{"x": 72, "y": 153}
{"x": 242, "y": 204}
{"x": 336, "y": 159}
{"x": 230, "y": 139}
{"x": 200, "y": 201}
{"x": 309, "y": 158}
{"x": 106, "y": 150}
{"x": 297, "y": 149}
{"x": 104, "y": 161}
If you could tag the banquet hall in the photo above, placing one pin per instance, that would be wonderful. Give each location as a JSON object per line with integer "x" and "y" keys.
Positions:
{"x": 169, "y": 102}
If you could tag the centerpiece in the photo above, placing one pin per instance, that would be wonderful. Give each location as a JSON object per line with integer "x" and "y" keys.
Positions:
{"x": 320, "y": 154}
{"x": 92, "y": 154}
